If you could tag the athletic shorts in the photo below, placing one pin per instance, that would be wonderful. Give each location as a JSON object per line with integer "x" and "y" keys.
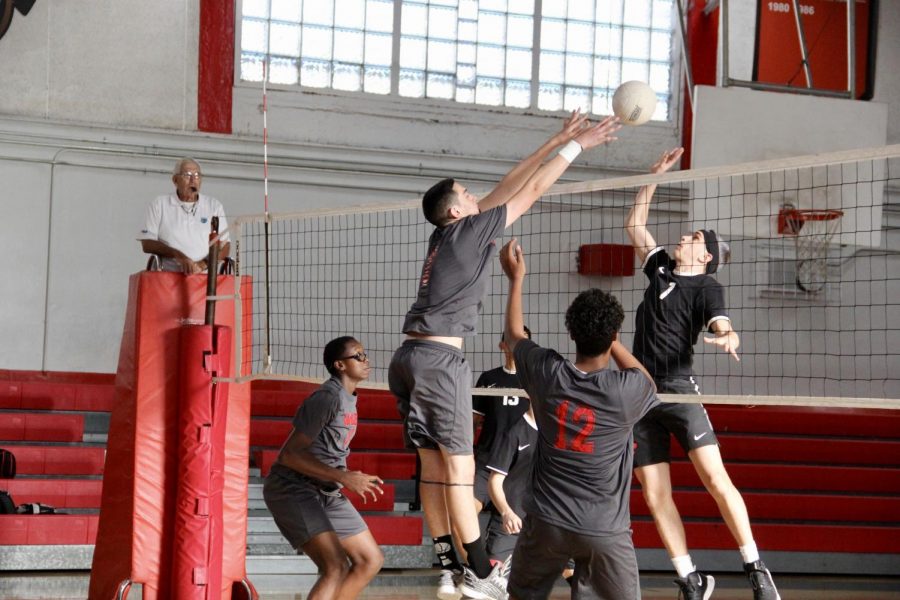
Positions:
{"x": 498, "y": 543}
{"x": 432, "y": 382}
{"x": 605, "y": 566}
{"x": 689, "y": 423}
{"x": 302, "y": 511}
{"x": 481, "y": 485}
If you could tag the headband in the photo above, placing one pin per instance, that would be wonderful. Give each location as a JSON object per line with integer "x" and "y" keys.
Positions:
{"x": 712, "y": 246}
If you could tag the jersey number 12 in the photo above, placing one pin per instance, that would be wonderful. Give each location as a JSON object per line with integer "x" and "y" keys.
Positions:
{"x": 580, "y": 416}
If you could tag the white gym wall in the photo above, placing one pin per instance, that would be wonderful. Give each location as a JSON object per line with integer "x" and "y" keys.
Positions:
{"x": 98, "y": 97}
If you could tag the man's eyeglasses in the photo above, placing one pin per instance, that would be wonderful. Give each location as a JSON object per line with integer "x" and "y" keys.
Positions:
{"x": 191, "y": 174}
{"x": 359, "y": 356}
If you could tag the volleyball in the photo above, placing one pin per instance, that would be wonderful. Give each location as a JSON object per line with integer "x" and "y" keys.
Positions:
{"x": 634, "y": 102}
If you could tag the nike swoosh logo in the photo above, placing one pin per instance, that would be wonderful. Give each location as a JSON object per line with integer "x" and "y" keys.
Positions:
{"x": 697, "y": 437}
{"x": 523, "y": 447}
{"x": 667, "y": 291}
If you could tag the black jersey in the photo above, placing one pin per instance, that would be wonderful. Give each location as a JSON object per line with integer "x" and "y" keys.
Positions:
{"x": 582, "y": 467}
{"x": 675, "y": 309}
{"x": 512, "y": 455}
{"x": 455, "y": 275}
{"x": 500, "y": 412}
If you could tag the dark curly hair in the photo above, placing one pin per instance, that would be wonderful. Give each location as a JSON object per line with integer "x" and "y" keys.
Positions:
{"x": 593, "y": 319}
{"x": 334, "y": 350}
{"x": 438, "y": 200}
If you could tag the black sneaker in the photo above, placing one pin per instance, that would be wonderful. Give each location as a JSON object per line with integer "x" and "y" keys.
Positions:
{"x": 696, "y": 586}
{"x": 761, "y": 581}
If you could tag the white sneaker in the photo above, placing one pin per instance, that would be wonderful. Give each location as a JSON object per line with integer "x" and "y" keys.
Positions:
{"x": 447, "y": 582}
{"x": 492, "y": 587}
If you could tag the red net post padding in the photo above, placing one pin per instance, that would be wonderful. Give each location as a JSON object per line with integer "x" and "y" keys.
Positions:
{"x": 135, "y": 534}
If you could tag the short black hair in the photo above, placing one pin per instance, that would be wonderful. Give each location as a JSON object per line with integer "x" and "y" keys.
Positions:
{"x": 437, "y": 202}
{"x": 593, "y": 319}
{"x": 334, "y": 350}
{"x": 527, "y": 333}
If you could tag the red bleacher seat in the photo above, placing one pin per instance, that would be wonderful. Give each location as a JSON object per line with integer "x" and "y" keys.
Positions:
{"x": 281, "y": 403}
{"x": 58, "y": 460}
{"x": 271, "y": 433}
{"x": 38, "y": 427}
{"x": 47, "y": 529}
{"x": 387, "y": 465}
{"x": 59, "y": 493}
{"x": 803, "y": 420}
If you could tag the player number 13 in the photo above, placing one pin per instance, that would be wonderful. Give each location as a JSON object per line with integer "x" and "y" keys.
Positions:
{"x": 582, "y": 416}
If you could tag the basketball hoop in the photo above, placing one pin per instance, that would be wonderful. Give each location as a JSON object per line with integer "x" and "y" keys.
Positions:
{"x": 812, "y": 230}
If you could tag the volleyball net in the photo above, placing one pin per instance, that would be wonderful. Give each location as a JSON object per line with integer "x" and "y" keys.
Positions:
{"x": 812, "y": 287}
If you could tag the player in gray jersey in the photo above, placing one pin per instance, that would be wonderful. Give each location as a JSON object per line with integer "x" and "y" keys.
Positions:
{"x": 302, "y": 491}
{"x": 681, "y": 300}
{"x": 428, "y": 373}
{"x": 585, "y": 412}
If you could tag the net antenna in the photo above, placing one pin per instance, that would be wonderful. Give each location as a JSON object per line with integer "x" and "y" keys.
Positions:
{"x": 812, "y": 230}
{"x": 267, "y": 356}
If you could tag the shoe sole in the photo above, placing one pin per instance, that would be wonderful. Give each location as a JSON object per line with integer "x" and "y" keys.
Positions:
{"x": 448, "y": 595}
{"x": 710, "y": 587}
{"x": 470, "y": 593}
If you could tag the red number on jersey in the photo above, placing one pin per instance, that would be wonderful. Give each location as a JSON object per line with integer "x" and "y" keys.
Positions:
{"x": 581, "y": 415}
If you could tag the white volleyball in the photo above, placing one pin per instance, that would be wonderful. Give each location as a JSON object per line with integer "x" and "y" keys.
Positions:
{"x": 634, "y": 102}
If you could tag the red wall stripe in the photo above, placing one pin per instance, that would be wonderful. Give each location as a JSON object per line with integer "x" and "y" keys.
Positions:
{"x": 702, "y": 41}
{"x": 216, "y": 66}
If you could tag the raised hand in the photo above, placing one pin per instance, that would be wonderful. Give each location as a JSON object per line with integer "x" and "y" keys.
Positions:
{"x": 362, "y": 484}
{"x": 512, "y": 259}
{"x": 601, "y": 133}
{"x": 665, "y": 162}
{"x": 572, "y": 126}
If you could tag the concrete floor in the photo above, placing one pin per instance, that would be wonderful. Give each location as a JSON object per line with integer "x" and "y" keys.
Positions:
{"x": 408, "y": 585}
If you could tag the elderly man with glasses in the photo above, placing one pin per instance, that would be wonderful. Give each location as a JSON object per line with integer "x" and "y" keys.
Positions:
{"x": 176, "y": 226}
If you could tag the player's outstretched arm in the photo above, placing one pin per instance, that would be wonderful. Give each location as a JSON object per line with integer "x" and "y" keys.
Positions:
{"x": 512, "y": 259}
{"x": 626, "y": 360}
{"x": 512, "y": 522}
{"x": 725, "y": 338}
{"x": 513, "y": 181}
{"x": 547, "y": 174}
{"x": 636, "y": 222}
{"x": 295, "y": 455}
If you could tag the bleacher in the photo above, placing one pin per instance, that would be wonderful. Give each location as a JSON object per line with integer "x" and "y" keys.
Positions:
{"x": 822, "y": 485}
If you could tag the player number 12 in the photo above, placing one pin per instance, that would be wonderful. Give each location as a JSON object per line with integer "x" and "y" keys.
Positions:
{"x": 581, "y": 415}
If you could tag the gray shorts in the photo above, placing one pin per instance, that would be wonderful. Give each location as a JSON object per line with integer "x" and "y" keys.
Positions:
{"x": 432, "y": 382}
{"x": 605, "y": 566}
{"x": 302, "y": 511}
{"x": 689, "y": 423}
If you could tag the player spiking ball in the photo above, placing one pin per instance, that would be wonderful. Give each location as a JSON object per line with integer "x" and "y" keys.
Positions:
{"x": 429, "y": 374}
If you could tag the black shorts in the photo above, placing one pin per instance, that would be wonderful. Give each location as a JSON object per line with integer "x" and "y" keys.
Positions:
{"x": 605, "y": 566}
{"x": 498, "y": 543}
{"x": 433, "y": 385}
{"x": 482, "y": 474}
{"x": 689, "y": 423}
{"x": 302, "y": 511}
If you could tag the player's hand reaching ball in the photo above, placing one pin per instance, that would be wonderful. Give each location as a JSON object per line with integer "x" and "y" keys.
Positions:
{"x": 512, "y": 259}
{"x": 599, "y": 134}
{"x": 572, "y": 126}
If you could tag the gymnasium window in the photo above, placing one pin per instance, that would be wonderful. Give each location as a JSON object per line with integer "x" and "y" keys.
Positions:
{"x": 550, "y": 55}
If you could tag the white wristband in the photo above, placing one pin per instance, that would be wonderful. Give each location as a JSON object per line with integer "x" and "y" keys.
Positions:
{"x": 570, "y": 151}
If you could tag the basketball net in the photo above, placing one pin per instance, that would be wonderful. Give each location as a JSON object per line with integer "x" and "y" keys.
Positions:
{"x": 812, "y": 231}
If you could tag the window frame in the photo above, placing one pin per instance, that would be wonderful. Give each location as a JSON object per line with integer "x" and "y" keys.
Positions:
{"x": 393, "y": 104}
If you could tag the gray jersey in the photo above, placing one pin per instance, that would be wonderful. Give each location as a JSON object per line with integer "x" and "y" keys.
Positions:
{"x": 582, "y": 467}
{"x": 329, "y": 418}
{"x": 454, "y": 276}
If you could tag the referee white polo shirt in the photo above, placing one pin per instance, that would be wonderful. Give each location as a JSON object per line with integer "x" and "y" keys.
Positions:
{"x": 184, "y": 226}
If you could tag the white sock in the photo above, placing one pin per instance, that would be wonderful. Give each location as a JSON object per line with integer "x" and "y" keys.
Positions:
{"x": 749, "y": 553}
{"x": 684, "y": 566}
